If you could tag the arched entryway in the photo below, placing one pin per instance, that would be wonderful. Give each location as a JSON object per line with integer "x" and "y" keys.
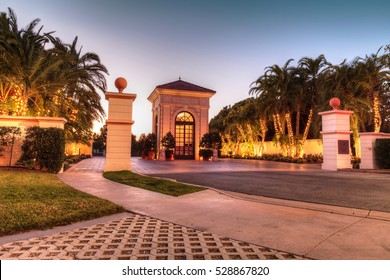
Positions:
{"x": 185, "y": 136}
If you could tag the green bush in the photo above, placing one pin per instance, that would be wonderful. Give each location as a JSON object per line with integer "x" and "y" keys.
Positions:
{"x": 168, "y": 141}
{"x": 45, "y": 147}
{"x": 206, "y": 153}
{"x": 382, "y": 153}
{"x": 307, "y": 158}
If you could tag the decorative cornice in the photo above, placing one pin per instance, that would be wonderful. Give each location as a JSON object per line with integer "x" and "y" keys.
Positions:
{"x": 336, "y": 132}
{"x": 39, "y": 119}
{"x": 336, "y": 112}
{"x": 120, "y": 95}
{"x": 175, "y": 92}
{"x": 374, "y": 134}
{"x": 119, "y": 122}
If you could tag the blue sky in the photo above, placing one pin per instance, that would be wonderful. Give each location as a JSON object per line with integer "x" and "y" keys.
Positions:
{"x": 221, "y": 45}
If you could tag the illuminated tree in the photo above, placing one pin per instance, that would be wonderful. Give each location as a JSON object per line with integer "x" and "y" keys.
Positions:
{"x": 373, "y": 77}
{"x": 26, "y": 67}
{"x": 310, "y": 78}
{"x": 42, "y": 76}
{"x": 78, "y": 100}
{"x": 342, "y": 81}
{"x": 275, "y": 88}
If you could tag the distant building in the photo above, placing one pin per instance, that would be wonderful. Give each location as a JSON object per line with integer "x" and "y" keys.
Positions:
{"x": 181, "y": 108}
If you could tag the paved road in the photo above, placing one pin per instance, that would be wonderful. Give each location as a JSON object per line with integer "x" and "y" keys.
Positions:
{"x": 306, "y": 183}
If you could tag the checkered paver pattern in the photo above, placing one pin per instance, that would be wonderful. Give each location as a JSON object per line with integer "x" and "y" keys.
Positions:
{"x": 137, "y": 237}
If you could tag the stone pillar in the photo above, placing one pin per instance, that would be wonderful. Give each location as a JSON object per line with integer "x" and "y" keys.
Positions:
{"x": 119, "y": 123}
{"x": 336, "y": 137}
{"x": 367, "y": 144}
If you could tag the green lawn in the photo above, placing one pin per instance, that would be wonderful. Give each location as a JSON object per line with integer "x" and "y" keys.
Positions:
{"x": 151, "y": 184}
{"x": 33, "y": 200}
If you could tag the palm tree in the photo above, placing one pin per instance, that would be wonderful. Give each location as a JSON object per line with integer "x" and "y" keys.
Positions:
{"x": 373, "y": 74}
{"x": 311, "y": 74}
{"x": 274, "y": 88}
{"x": 25, "y": 63}
{"x": 60, "y": 81}
{"x": 343, "y": 82}
{"x": 79, "y": 100}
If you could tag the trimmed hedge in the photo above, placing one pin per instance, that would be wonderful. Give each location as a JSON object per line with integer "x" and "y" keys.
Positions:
{"x": 382, "y": 153}
{"x": 44, "y": 147}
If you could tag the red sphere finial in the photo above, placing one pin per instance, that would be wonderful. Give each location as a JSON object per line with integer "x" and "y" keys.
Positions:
{"x": 335, "y": 103}
{"x": 120, "y": 84}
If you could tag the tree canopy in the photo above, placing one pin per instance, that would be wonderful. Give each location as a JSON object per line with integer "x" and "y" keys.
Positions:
{"x": 42, "y": 76}
{"x": 287, "y": 100}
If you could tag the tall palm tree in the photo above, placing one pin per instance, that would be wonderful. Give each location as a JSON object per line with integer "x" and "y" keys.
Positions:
{"x": 311, "y": 72}
{"x": 343, "y": 82}
{"x": 274, "y": 88}
{"x": 25, "y": 62}
{"x": 373, "y": 76}
{"x": 79, "y": 100}
{"x": 58, "y": 81}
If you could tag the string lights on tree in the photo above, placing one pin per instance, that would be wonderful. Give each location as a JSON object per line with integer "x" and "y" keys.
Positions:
{"x": 377, "y": 117}
{"x": 19, "y": 101}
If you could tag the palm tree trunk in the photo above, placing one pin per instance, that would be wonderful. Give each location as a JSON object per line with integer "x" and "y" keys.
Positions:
{"x": 308, "y": 124}
{"x": 263, "y": 127}
{"x": 276, "y": 127}
{"x": 297, "y": 124}
{"x": 355, "y": 134}
{"x": 377, "y": 115}
{"x": 290, "y": 134}
{"x": 305, "y": 133}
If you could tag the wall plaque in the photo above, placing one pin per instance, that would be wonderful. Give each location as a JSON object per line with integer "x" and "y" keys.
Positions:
{"x": 343, "y": 147}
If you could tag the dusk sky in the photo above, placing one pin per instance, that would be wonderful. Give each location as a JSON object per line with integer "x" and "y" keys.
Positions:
{"x": 221, "y": 45}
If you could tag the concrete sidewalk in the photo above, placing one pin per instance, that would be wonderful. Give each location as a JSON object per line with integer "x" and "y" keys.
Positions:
{"x": 291, "y": 182}
{"x": 322, "y": 232}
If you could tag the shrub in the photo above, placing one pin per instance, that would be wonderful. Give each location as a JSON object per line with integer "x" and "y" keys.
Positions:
{"x": 211, "y": 141}
{"x": 313, "y": 158}
{"x": 45, "y": 146}
{"x": 382, "y": 153}
{"x": 355, "y": 161}
{"x": 206, "y": 153}
{"x": 168, "y": 141}
{"x": 147, "y": 144}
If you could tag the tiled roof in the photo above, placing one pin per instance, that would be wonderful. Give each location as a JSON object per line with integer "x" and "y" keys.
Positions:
{"x": 182, "y": 85}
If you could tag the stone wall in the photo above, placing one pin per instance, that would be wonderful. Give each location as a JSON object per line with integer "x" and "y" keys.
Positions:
{"x": 311, "y": 146}
{"x": 367, "y": 143}
{"x": 23, "y": 123}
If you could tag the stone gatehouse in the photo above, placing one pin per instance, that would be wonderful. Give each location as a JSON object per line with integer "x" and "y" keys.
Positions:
{"x": 181, "y": 108}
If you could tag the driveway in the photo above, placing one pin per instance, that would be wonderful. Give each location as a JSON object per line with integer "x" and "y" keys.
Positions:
{"x": 307, "y": 183}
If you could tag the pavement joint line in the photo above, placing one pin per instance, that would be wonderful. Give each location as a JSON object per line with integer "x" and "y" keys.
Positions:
{"x": 202, "y": 230}
{"x": 331, "y": 235}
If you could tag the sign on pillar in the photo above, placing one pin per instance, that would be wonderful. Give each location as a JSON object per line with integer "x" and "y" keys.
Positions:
{"x": 119, "y": 123}
{"x": 336, "y": 137}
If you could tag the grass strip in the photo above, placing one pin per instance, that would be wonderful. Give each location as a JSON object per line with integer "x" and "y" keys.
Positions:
{"x": 33, "y": 200}
{"x": 151, "y": 184}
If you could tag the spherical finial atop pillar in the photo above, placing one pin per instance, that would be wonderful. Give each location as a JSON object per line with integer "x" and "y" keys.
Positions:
{"x": 120, "y": 84}
{"x": 335, "y": 103}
